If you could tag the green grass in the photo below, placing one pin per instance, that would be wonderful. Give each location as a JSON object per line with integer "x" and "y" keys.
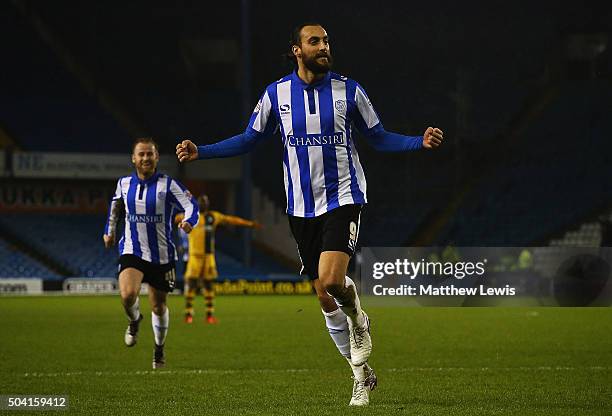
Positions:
{"x": 271, "y": 355}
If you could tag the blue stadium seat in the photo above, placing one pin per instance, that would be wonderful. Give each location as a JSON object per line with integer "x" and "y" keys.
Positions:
{"x": 17, "y": 264}
{"x": 75, "y": 241}
{"x": 557, "y": 175}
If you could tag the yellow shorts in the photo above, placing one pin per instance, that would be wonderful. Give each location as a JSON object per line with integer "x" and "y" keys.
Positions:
{"x": 201, "y": 267}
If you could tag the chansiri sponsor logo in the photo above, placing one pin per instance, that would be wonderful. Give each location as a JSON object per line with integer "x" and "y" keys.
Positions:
{"x": 145, "y": 218}
{"x": 316, "y": 140}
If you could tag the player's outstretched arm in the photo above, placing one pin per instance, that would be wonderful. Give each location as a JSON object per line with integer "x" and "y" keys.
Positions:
{"x": 432, "y": 138}
{"x": 261, "y": 125}
{"x": 237, "y": 145}
{"x": 241, "y": 222}
{"x": 387, "y": 141}
{"x": 369, "y": 124}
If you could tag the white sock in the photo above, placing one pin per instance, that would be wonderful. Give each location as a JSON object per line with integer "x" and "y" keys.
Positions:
{"x": 354, "y": 313}
{"x": 133, "y": 312}
{"x": 358, "y": 370}
{"x": 160, "y": 326}
{"x": 337, "y": 326}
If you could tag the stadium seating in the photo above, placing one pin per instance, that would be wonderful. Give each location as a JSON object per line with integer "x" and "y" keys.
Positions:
{"x": 554, "y": 178}
{"x": 49, "y": 110}
{"x": 72, "y": 240}
{"x": 512, "y": 206}
{"x": 14, "y": 263}
{"x": 587, "y": 236}
{"x": 75, "y": 242}
{"x": 229, "y": 249}
{"x": 42, "y": 104}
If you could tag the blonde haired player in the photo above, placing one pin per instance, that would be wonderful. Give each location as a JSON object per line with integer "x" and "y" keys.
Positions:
{"x": 201, "y": 265}
{"x": 147, "y": 200}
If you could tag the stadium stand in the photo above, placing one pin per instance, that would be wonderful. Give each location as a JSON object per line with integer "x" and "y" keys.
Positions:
{"x": 14, "y": 263}
{"x": 548, "y": 183}
{"x": 229, "y": 250}
{"x": 74, "y": 241}
{"x": 552, "y": 179}
{"x": 42, "y": 104}
{"x": 588, "y": 236}
{"x": 152, "y": 79}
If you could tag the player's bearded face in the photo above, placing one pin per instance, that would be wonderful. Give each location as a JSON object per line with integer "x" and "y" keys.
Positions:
{"x": 145, "y": 158}
{"x": 318, "y": 62}
{"x": 314, "y": 49}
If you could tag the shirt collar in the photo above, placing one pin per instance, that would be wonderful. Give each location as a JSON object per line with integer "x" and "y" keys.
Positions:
{"x": 316, "y": 85}
{"x": 153, "y": 177}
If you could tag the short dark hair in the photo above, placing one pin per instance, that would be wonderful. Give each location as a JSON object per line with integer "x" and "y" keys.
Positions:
{"x": 296, "y": 39}
{"x": 146, "y": 140}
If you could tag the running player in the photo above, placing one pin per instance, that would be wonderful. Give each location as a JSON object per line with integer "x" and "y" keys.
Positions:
{"x": 315, "y": 110}
{"x": 148, "y": 201}
{"x": 201, "y": 265}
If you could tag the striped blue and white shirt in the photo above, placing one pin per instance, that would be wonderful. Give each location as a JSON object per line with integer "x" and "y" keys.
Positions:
{"x": 321, "y": 166}
{"x": 150, "y": 207}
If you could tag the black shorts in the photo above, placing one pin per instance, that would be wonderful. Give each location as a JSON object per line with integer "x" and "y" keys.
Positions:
{"x": 160, "y": 276}
{"x": 336, "y": 230}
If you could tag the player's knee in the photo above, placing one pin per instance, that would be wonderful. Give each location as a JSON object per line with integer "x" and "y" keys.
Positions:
{"x": 129, "y": 296}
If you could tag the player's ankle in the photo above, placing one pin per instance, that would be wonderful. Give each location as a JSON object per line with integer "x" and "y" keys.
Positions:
{"x": 358, "y": 370}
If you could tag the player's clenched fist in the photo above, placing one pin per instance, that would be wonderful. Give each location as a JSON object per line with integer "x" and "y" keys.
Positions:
{"x": 185, "y": 226}
{"x": 432, "y": 138}
{"x": 186, "y": 151}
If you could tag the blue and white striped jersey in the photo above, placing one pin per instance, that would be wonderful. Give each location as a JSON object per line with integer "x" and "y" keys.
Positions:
{"x": 150, "y": 207}
{"x": 320, "y": 162}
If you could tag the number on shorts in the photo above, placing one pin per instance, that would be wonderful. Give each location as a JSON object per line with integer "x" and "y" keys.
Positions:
{"x": 352, "y": 235}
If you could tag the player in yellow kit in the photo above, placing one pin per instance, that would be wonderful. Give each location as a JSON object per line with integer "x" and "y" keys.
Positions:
{"x": 201, "y": 265}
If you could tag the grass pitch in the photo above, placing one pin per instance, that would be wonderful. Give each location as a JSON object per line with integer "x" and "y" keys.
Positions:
{"x": 271, "y": 355}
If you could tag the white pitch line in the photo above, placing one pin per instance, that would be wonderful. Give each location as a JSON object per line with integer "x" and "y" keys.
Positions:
{"x": 165, "y": 372}
{"x": 541, "y": 368}
{"x": 304, "y": 370}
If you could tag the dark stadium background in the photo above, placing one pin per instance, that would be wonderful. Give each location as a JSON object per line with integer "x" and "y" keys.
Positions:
{"x": 522, "y": 92}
